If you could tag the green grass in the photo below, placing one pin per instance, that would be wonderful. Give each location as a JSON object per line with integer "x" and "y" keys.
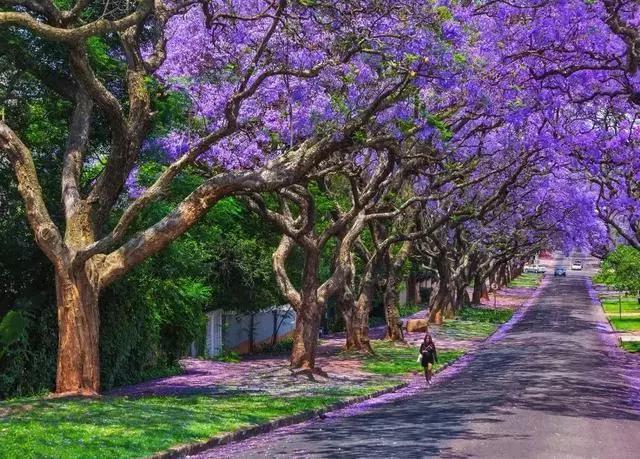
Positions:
{"x": 463, "y": 329}
{"x": 629, "y": 304}
{"x": 497, "y": 316}
{"x": 526, "y": 280}
{"x": 125, "y": 428}
{"x": 409, "y": 309}
{"x": 397, "y": 360}
{"x": 625, "y": 324}
{"x": 137, "y": 427}
{"x": 476, "y": 322}
{"x": 631, "y": 346}
{"x": 228, "y": 357}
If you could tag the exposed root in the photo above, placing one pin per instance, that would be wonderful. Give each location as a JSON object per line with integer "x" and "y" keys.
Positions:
{"x": 80, "y": 393}
{"x": 310, "y": 373}
{"x": 364, "y": 349}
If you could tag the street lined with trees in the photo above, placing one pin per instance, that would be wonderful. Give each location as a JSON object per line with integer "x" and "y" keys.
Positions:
{"x": 160, "y": 159}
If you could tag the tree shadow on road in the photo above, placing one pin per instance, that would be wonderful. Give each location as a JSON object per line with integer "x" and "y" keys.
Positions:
{"x": 552, "y": 361}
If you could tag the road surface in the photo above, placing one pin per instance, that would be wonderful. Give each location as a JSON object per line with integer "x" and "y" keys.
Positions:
{"x": 549, "y": 389}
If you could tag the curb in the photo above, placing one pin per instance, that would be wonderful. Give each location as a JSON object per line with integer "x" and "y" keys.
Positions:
{"x": 181, "y": 451}
{"x": 596, "y": 300}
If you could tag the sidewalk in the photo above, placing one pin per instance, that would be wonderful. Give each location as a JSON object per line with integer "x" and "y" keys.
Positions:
{"x": 613, "y": 314}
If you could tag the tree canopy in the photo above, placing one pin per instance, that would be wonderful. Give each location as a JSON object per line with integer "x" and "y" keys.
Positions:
{"x": 347, "y": 139}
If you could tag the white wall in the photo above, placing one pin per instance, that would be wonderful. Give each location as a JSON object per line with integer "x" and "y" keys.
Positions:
{"x": 232, "y": 331}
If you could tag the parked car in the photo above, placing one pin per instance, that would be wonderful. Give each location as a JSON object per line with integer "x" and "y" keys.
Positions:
{"x": 560, "y": 271}
{"x": 536, "y": 269}
{"x": 577, "y": 265}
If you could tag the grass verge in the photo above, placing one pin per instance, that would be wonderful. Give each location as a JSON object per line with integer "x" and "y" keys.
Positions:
{"x": 396, "y": 360}
{"x": 128, "y": 428}
{"x": 138, "y": 427}
{"x": 476, "y": 322}
{"x": 625, "y": 324}
{"x": 526, "y": 280}
{"x": 409, "y": 309}
{"x": 486, "y": 315}
{"x": 611, "y": 304}
{"x": 631, "y": 346}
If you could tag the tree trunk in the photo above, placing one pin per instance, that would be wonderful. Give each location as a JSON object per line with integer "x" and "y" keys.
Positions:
{"x": 412, "y": 289}
{"x": 442, "y": 303}
{"x": 449, "y": 309}
{"x": 492, "y": 280}
{"x": 485, "y": 291}
{"x": 508, "y": 274}
{"x": 478, "y": 287}
{"x": 392, "y": 315}
{"x": 462, "y": 297}
{"x": 518, "y": 270}
{"x": 78, "y": 369}
{"x": 306, "y": 304}
{"x": 502, "y": 277}
{"x": 274, "y": 334}
{"x": 305, "y": 337}
{"x": 394, "y": 266}
{"x": 356, "y": 319}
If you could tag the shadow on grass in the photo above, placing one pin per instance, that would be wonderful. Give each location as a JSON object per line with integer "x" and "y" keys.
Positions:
{"x": 551, "y": 363}
{"x": 122, "y": 427}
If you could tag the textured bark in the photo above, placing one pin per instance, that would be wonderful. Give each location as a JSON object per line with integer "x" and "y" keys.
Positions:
{"x": 479, "y": 288}
{"x": 310, "y": 300}
{"x": 356, "y": 311}
{"x": 392, "y": 316}
{"x": 356, "y": 318}
{"x": 442, "y": 303}
{"x": 391, "y": 294}
{"x": 501, "y": 278}
{"x": 485, "y": 291}
{"x": 462, "y": 297}
{"x": 77, "y": 34}
{"x": 305, "y": 337}
{"x": 308, "y": 306}
{"x": 449, "y": 309}
{"x": 492, "y": 281}
{"x": 412, "y": 288}
{"x": 86, "y": 259}
{"x": 77, "y": 287}
{"x": 78, "y": 370}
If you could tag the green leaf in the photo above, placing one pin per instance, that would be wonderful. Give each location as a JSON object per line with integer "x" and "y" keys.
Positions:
{"x": 12, "y": 327}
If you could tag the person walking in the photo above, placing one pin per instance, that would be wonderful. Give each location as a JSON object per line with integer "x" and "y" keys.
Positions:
{"x": 429, "y": 356}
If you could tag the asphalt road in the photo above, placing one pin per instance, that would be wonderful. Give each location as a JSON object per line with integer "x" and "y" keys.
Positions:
{"x": 549, "y": 389}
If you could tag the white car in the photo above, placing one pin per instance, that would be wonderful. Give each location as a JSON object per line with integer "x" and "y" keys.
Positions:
{"x": 536, "y": 269}
{"x": 576, "y": 266}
